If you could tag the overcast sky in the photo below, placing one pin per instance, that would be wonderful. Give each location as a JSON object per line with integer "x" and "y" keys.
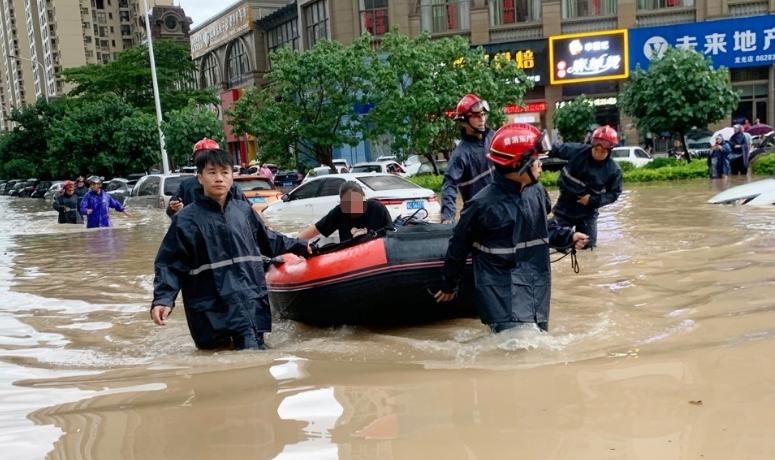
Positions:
{"x": 202, "y": 10}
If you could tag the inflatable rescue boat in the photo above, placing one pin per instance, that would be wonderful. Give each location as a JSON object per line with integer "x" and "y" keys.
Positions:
{"x": 373, "y": 280}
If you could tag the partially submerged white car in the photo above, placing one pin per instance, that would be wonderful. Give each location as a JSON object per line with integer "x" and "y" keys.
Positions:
{"x": 759, "y": 193}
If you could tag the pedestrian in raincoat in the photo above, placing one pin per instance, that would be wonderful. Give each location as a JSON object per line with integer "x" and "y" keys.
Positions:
{"x": 590, "y": 180}
{"x": 190, "y": 187}
{"x": 505, "y": 228}
{"x": 739, "y": 152}
{"x": 468, "y": 170}
{"x": 212, "y": 252}
{"x": 718, "y": 160}
{"x": 66, "y": 204}
{"x": 97, "y": 203}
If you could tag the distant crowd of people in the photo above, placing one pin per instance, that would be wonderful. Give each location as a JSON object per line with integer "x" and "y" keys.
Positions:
{"x": 84, "y": 200}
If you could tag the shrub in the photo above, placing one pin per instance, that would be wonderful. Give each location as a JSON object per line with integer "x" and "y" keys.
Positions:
{"x": 657, "y": 163}
{"x": 764, "y": 165}
{"x": 626, "y": 166}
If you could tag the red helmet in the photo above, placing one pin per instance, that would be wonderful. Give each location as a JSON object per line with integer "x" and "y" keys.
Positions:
{"x": 513, "y": 143}
{"x": 470, "y": 103}
{"x": 606, "y": 133}
{"x": 206, "y": 144}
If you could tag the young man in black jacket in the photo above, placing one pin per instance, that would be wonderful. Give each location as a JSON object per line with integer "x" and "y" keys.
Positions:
{"x": 505, "y": 228}
{"x": 212, "y": 253}
{"x": 589, "y": 181}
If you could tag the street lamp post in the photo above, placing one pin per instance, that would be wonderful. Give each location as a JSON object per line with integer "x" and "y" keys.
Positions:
{"x": 41, "y": 72}
{"x": 165, "y": 164}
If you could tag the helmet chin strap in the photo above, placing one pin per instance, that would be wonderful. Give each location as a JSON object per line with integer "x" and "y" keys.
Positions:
{"x": 528, "y": 168}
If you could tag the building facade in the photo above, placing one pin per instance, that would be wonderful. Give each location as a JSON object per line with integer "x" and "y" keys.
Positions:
{"x": 40, "y": 38}
{"x": 537, "y": 35}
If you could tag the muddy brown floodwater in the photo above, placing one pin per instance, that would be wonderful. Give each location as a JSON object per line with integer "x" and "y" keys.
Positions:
{"x": 661, "y": 348}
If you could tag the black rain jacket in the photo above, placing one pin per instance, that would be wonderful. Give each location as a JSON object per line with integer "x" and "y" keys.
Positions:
{"x": 602, "y": 180}
{"x": 214, "y": 258}
{"x": 468, "y": 171}
{"x": 509, "y": 236}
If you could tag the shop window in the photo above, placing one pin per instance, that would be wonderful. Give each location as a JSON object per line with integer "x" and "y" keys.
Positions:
{"x": 285, "y": 34}
{"x": 438, "y": 16}
{"x": 238, "y": 63}
{"x": 659, "y": 4}
{"x": 588, "y": 8}
{"x": 210, "y": 74}
{"x": 513, "y": 11}
{"x": 374, "y": 16}
{"x": 316, "y": 19}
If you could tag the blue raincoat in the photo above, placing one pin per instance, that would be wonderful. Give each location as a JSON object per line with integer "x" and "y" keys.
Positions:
{"x": 100, "y": 204}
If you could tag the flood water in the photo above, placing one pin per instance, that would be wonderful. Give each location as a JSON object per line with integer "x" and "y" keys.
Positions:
{"x": 660, "y": 348}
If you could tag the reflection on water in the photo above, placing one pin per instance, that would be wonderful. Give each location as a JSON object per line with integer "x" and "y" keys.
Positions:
{"x": 676, "y": 290}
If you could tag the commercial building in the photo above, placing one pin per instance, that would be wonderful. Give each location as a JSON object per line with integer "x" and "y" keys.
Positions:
{"x": 40, "y": 38}
{"x": 543, "y": 37}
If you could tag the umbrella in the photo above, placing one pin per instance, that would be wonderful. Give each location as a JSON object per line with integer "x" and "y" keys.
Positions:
{"x": 759, "y": 129}
{"x": 726, "y": 133}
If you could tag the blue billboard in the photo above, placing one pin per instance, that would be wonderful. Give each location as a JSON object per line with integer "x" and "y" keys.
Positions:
{"x": 738, "y": 42}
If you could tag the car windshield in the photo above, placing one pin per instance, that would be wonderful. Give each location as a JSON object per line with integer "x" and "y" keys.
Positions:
{"x": 366, "y": 168}
{"x": 704, "y": 144}
{"x": 620, "y": 153}
{"x": 255, "y": 184}
{"x": 380, "y": 183}
{"x": 172, "y": 183}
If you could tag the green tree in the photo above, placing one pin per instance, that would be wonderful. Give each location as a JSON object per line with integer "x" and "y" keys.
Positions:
{"x": 129, "y": 77}
{"x": 186, "y": 126}
{"x": 136, "y": 140}
{"x": 419, "y": 81}
{"x": 311, "y": 100}
{"x": 574, "y": 118}
{"x": 679, "y": 91}
{"x": 83, "y": 140}
{"x": 28, "y": 140}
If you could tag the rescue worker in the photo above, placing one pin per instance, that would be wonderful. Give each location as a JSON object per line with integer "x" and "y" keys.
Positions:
{"x": 353, "y": 216}
{"x": 590, "y": 180}
{"x": 212, "y": 252}
{"x": 190, "y": 187}
{"x": 96, "y": 205}
{"x": 468, "y": 170}
{"x": 505, "y": 228}
{"x": 66, "y": 204}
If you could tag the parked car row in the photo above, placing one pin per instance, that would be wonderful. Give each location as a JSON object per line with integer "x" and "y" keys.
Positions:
{"x": 119, "y": 188}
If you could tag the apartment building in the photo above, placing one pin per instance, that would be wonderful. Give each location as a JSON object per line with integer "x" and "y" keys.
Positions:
{"x": 615, "y": 36}
{"x": 40, "y": 38}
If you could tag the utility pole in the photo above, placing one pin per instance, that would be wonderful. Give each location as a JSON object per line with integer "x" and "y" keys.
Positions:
{"x": 165, "y": 164}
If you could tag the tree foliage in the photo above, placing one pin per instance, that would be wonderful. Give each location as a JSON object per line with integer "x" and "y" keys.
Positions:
{"x": 574, "y": 118}
{"x": 678, "y": 91}
{"x": 311, "y": 100}
{"x": 419, "y": 82}
{"x": 186, "y": 126}
{"x": 129, "y": 78}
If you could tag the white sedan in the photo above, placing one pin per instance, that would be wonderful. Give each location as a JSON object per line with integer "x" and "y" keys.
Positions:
{"x": 313, "y": 199}
{"x": 631, "y": 154}
{"x": 391, "y": 167}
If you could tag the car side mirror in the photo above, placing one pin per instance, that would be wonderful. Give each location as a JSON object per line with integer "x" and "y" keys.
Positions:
{"x": 286, "y": 198}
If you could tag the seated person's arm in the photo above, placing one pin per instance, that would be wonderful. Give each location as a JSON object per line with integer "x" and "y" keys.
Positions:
{"x": 309, "y": 233}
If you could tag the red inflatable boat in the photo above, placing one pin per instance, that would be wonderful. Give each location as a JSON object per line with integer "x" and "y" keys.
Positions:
{"x": 377, "y": 280}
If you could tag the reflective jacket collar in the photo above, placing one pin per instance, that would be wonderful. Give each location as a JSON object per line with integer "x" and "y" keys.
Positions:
{"x": 475, "y": 139}
{"x": 507, "y": 185}
{"x": 209, "y": 203}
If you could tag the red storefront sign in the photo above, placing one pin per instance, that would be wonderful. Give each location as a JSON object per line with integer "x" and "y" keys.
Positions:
{"x": 527, "y": 108}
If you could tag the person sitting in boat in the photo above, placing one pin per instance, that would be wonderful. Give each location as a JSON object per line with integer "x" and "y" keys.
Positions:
{"x": 505, "y": 228}
{"x": 468, "y": 171}
{"x": 353, "y": 216}
{"x": 212, "y": 252}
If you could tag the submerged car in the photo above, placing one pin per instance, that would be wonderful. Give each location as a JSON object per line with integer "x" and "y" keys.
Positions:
{"x": 258, "y": 190}
{"x": 631, "y": 154}
{"x": 759, "y": 193}
{"x": 155, "y": 190}
{"x": 315, "y": 198}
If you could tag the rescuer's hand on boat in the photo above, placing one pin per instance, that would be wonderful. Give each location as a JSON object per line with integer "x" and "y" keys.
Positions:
{"x": 159, "y": 314}
{"x": 358, "y": 231}
{"x": 442, "y": 296}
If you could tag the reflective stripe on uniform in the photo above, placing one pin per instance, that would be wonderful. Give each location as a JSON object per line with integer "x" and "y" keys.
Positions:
{"x": 480, "y": 176}
{"x": 522, "y": 245}
{"x": 224, "y": 263}
{"x": 579, "y": 182}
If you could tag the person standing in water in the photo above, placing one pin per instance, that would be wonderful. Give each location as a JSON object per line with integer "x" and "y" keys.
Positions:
{"x": 66, "y": 204}
{"x": 97, "y": 203}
